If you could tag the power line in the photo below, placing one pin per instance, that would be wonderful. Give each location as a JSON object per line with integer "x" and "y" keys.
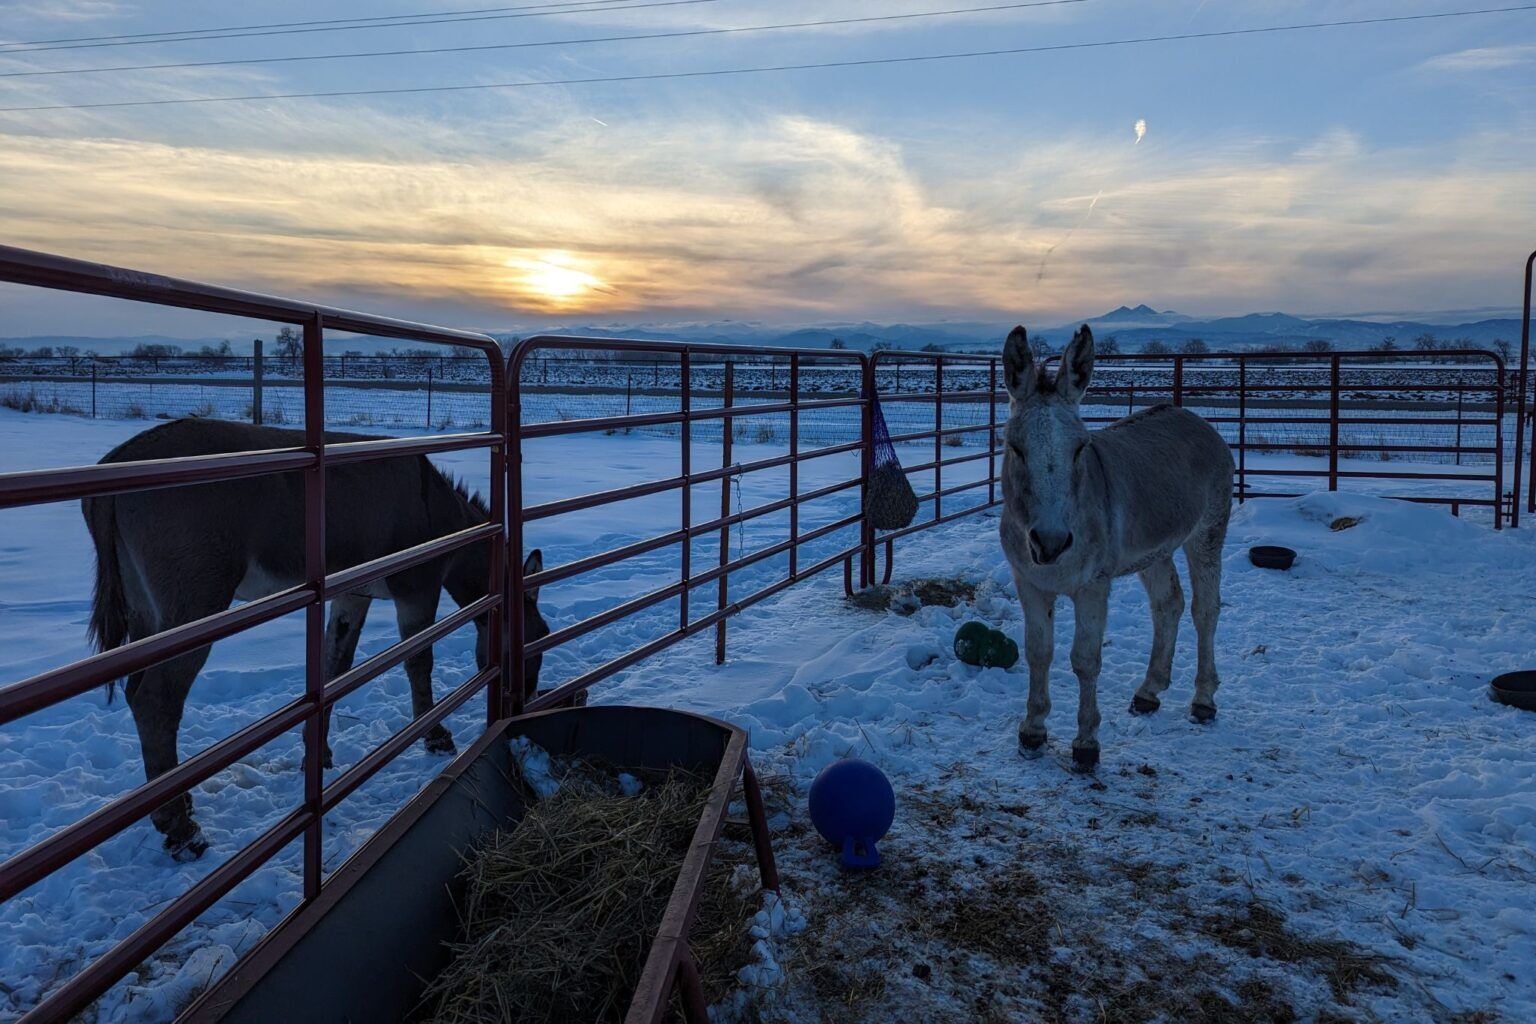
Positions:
{"x": 534, "y": 13}
{"x": 719, "y": 72}
{"x": 198, "y": 33}
{"x": 683, "y": 34}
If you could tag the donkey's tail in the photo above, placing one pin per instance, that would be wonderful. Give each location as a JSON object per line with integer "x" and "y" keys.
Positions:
{"x": 109, "y": 617}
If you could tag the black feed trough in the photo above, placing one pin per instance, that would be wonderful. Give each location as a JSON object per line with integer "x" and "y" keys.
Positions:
{"x": 1517, "y": 689}
{"x": 365, "y": 949}
{"x": 1271, "y": 556}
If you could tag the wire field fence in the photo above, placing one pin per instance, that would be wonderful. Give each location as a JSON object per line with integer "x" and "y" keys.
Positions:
{"x": 1389, "y": 412}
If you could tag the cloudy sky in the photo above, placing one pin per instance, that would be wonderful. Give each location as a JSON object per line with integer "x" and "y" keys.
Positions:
{"x": 1348, "y": 169}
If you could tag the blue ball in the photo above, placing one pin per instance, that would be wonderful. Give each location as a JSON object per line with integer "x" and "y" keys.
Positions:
{"x": 852, "y": 806}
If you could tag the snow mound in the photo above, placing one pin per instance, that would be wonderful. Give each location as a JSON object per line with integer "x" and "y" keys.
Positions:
{"x": 1333, "y": 531}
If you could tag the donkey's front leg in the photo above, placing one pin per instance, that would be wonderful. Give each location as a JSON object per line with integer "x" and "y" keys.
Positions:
{"x": 414, "y": 614}
{"x": 1039, "y": 647}
{"x": 1091, "y": 606}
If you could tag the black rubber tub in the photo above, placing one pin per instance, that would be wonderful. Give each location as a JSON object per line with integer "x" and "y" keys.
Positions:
{"x": 364, "y": 949}
{"x": 1517, "y": 689}
{"x": 1272, "y": 556}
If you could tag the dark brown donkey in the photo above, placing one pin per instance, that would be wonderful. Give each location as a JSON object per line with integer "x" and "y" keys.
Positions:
{"x": 167, "y": 557}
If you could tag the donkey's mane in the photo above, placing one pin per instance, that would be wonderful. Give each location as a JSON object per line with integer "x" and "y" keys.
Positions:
{"x": 472, "y": 498}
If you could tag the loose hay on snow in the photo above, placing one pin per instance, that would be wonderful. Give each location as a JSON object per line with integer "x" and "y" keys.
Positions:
{"x": 559, "y": 911}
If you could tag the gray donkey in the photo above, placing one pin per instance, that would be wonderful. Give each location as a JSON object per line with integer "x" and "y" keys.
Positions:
{"x": 1082, "y": 507}
{"x": 168, "y": 557}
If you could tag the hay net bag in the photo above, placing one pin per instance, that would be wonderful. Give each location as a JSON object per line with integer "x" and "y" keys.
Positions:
{"x": 890, "y": 501}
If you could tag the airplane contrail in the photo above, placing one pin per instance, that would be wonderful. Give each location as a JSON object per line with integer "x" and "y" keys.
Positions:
{"x": 1040, "y": 274}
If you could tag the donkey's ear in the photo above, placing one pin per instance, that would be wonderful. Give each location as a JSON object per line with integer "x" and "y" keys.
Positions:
{"x": 1019, "y": 372}
{"x": 532, "y": 564}
{"x": 1076, "y": 366}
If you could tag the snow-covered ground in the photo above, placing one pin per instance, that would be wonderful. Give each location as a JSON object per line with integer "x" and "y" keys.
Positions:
{"x": 1357, "y": 783}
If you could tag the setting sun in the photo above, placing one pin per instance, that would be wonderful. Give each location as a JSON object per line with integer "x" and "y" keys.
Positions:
{"x": 552, "y": 277}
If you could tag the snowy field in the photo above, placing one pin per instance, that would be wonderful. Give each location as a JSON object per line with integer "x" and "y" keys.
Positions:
{"x": 1352, "y": 839}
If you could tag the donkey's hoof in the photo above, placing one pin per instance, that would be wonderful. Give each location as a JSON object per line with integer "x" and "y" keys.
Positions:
{"x": 326, "y": 760}
{"x": 1144, "y": 705}
{"x": 440, "y": 741}
{"x": 1204, "y": 714}
{"x": 1031, "y": 744}
{"x": 1085, "y": 759}
{"x": 185, "y": 848}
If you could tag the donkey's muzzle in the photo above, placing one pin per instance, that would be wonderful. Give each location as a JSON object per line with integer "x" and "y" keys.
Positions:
{"x": 1046, "y": 547}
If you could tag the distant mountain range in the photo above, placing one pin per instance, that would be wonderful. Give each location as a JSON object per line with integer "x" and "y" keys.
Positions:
{"x": 1132, "y": 326}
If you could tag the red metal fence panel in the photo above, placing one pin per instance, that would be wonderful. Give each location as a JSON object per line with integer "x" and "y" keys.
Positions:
{"x": 311, "y": 459}
{"x": 677, "y": 408}
{"x": 1330, "y": 410}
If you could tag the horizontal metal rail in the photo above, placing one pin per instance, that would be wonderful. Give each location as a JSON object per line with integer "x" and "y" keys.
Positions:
{"x": 349, "y": 681}
{"x": 401, "y": 741}
{"x": 55, "y": 685}
{"x": 358, "y": 576}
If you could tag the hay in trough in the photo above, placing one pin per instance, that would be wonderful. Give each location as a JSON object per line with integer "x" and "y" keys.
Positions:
{"x": 560, "y": 911}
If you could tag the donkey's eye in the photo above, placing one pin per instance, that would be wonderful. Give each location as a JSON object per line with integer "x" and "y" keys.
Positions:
{"x": 1016, "y": 449}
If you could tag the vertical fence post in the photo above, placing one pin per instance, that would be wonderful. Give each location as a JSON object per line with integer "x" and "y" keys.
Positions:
{"x": 1242, "y": 430}
{"x": 727, "y": 423}
{"x": 1520, "y": 405}
{"x": 507, "y": 509}
{"x": 93, "y": 389}
{"x": 256, "y": 374}
{"x": 629, "y": 393}
{"x": 991, "y": 431}
{"x": 314, "y": 612}
{"x": 1178, "y": 380}
{"x": 794, "y": 465}
{"x": 938, "y": 436}
{"x": 685, "y": 429}
{"x": 1333, "y": 424}
{"x": 1459, "y": 395}
{"x": 1498, "y": 452}
{"x": 867, "y": 385}
{"x": 429, "y": 399}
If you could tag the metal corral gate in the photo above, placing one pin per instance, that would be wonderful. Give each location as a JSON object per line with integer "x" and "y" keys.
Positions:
{"x": 687, "y": 417}
{"x": 960, "y": 396}
{"x": 955, "y": 403}
{"x": 26, "y": 867}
